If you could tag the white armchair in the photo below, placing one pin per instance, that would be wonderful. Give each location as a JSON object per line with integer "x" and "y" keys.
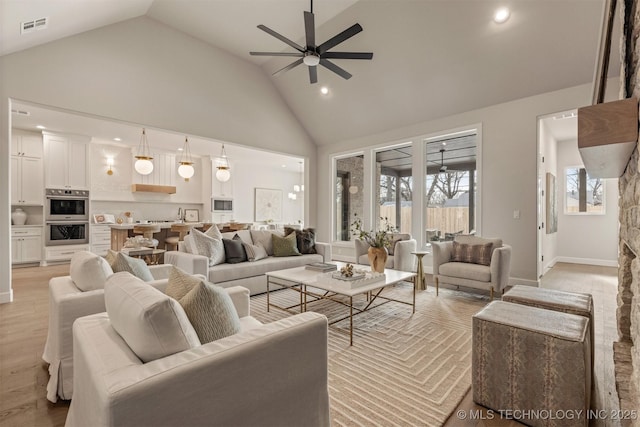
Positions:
{"x": 273, "y": 375}
{"x": 493, "y": 277}
{"x": 399, "y": 259}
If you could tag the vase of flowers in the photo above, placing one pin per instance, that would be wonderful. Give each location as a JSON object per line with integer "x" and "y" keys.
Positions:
{"x": 378, "y": 241}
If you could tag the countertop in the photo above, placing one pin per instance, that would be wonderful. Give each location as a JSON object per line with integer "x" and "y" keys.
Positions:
{"x": 159, "y": 224}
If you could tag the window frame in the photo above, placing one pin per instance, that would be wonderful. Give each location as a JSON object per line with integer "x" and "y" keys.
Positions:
{"x": 565, "y": 192}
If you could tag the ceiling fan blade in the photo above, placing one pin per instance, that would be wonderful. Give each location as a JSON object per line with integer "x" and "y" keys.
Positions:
{"x": 333, "y": 67}
{"x": 310, "y": 30}
{"x": 313, "y": 74}
{"x": 348, "y": 55}
{"x": 276, "y": 53}
{"x": 288, "y": 67}
{"x": 280, "y": 37}
{"x": 336, "y": 40}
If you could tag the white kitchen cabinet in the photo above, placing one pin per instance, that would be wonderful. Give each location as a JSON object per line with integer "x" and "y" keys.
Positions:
{"x": 26, "y": 244}
{"x": 27, "y": 182}
{"x": 64, "y": 252}
{"x": 100, "y": 239}
{"x": 66, "y": 162}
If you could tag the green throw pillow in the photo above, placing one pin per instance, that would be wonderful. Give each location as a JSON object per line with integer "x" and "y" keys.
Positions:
{"x": 285, "y": 246}
{"x": 135, "y": 266}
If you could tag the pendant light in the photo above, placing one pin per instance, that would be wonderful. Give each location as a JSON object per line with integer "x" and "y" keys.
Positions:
{"x": 186, "y": 169}
{"x": 144, "y": 165}
{"x": 223, "y": 173}
{"x": 299, "y": 187}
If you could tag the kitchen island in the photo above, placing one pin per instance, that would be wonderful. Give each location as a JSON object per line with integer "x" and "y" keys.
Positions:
{"x": 121, "y": 232}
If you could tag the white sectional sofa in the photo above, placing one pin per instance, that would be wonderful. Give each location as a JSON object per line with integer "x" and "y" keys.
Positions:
{"x": 247, "y": 274}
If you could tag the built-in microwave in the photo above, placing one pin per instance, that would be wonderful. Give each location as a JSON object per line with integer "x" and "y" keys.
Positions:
{"x": 66, "y": 205}
{"x": 221, "y": 205}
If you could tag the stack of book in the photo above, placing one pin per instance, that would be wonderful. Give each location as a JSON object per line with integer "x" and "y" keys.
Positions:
{"x": 321, "y": 266}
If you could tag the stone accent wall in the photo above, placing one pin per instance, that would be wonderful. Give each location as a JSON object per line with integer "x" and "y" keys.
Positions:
{"x": 355, "y": 166}
{"x": 627, "y": 349}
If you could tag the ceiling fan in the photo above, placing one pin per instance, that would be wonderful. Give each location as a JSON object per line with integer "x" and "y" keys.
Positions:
{"x": 313, "y": 55}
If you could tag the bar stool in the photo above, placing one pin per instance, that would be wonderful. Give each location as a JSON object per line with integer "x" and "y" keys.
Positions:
{"x": 183, "y": 230}
{"x": 147, "y": 231}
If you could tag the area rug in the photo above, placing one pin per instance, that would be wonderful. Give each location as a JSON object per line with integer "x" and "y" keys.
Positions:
{"x": 403, "y": 369}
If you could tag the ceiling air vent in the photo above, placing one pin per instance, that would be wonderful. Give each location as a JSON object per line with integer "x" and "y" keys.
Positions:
{"x": 20, "y": 112}
{"x": 36, "y": 24}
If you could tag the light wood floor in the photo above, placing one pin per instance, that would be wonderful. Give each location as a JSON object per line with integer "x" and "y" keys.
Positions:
{"x": 23, "y": 330}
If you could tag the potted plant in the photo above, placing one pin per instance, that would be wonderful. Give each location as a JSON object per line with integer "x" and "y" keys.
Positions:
{"x": 379, "y": 241}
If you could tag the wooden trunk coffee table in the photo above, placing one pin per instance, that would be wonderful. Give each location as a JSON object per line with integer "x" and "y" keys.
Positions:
{"x": 300, "y": 279}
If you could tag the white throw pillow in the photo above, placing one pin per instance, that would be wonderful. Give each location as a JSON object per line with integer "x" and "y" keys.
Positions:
{"x": 152, "y": 324}
{"x": 255, "y": 252}
{"x": 209, "y": 245}
{"x": 89, "y": 271}
{"x": 135, "y": 266}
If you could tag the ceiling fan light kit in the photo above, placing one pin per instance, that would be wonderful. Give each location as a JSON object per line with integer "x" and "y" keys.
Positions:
{"x": 313, "y": 55}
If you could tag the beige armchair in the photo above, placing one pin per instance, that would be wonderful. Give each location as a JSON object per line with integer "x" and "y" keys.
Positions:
{"x": 400, "y": 258}
{"x": 493, "y": 277}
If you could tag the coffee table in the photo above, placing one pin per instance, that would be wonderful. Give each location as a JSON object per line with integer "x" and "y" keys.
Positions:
{"x": 300, "y": 279}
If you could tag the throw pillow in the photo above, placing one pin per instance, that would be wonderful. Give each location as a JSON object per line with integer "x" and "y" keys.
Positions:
{"x": 211, "y": 312}
{"x": 234, "y": 251}
{"x": 111, "y": 257}
{"x": 305, "y": 239}
{"x": 255, "y": 252}
{"x": 138, "y": 312}
{"x": 395, "y": 238}
{"x": 474, "y": 254}
{"x": 180, "y": 283}
{"x": 135, "y": 266}
{"x": 285, "y": 246}
{"x": 89, "y": 271}
{"x": 208, "y": 245}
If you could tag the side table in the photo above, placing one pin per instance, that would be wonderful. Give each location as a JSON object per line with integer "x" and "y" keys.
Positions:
{"x": 421, "y": 284}
{"x": 149, "y": 255}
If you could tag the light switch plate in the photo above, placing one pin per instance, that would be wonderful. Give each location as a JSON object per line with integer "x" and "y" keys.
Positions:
{"x": 516, "y": 214}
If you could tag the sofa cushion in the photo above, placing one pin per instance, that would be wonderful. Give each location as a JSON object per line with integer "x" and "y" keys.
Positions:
{"x": 89, "y": 271}
{"x": 152, "y": 324}
{"x": 305, "y": 239}
{"x": 135, "y": 266}
{"x": 255, "y": 252}
{"x": 475, "y": 254}
{"x": 226, "y": 272}
{"x": 209, "y": 245}
{"x": 464, "y": 270}
{"x": 234, "y": 250}
{"x": 395, "y": 238}
{"x": 264, "y": 237}
{"x": 211, "y": 312}
{"x": 285, "y": 246}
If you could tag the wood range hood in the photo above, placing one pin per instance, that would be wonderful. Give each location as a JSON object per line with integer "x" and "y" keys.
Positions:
{"x": 148, "y": 188}
{"x": 607, "y": 135}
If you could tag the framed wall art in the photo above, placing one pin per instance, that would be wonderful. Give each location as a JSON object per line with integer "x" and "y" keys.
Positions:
{"x": 268, "y": 205}
{"x": 191, "y": 215}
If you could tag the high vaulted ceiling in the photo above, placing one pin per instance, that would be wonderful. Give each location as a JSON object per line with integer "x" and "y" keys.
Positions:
{"x": 431, "y": 58}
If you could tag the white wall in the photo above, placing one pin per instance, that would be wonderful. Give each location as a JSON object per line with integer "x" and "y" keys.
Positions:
{"x": 141, "y": 71}
{"x": 590, "y": 239}
{"x": 509, "y": 168}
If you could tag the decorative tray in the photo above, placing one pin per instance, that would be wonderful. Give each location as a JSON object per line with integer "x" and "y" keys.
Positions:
{"x": 359, "y": 278}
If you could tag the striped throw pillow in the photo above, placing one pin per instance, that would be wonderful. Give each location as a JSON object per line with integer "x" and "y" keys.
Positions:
{"x": 255, "y": 252}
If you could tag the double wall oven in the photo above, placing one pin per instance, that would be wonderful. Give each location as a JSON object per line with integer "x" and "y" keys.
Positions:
{"x": 66, "y": 217}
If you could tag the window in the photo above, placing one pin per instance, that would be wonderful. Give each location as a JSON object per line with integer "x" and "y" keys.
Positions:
{"x": 395, "y": 195}
{"x": 349, "y": 199}
{"x": 583, "y": 194}
{"x": 450, "y": 186}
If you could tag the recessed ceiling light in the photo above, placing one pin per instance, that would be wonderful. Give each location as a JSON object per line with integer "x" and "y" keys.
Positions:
{"x": 501, "y": 15}
{"x": 117, "y": 139}
{"x": 444, "y": 143}
{"x": 40, "y": 127}
{"x": 324, "y": 90}
{"x": 284, "y": 166}
{"x": 180, "y": 149}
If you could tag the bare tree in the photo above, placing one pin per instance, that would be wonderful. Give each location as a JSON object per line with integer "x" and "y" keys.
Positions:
{"x": 449, "y": 183}
{"x": 406, "y": 188}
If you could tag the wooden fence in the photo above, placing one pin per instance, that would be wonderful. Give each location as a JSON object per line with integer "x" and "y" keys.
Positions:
{"x": 445, "y": 220}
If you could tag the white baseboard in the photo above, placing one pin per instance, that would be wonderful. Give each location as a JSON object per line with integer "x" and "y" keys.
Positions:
{"x": 6, "y": 297}
{"x": 526, "y": 282}
{"x": 589, "y": 261}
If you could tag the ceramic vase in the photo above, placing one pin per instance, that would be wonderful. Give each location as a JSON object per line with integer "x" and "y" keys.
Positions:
{"x": 377, "y": 259}
{"x": 19, "y": 217}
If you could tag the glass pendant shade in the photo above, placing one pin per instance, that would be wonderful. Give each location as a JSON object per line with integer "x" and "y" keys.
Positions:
{"x": 223, "y": 174}
{"x": 186, "y": 169}
{"x": 143, "y": 164}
